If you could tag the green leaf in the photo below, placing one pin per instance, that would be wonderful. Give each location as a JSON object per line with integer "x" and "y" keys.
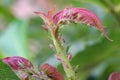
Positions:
{"x": 107, "y": 52}
{"x": 6, "y": 72}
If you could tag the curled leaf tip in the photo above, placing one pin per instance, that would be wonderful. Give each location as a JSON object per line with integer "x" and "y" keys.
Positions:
{"x": 104, "y": 33}
{"x": 79, "y": 15}
{"x": 107, "y": 36}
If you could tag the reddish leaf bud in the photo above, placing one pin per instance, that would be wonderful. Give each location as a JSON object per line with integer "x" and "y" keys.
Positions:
{"x": 114, "y": 76}
{"x": 79, "y": 15}
{"x": 51, "y": 72}
{"x": 18, "y": 63}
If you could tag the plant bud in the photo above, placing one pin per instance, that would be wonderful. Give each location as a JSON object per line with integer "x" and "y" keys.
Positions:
{"x": 114, "y": 76}
{"x": 51, "y": 72}
{"x": 18, "y": 63}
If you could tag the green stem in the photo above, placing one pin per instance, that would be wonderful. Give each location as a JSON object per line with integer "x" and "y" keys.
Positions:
{"x": 63, "y": 58}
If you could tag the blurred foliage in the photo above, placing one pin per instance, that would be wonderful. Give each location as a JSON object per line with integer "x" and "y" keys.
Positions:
{"x": 96, "y": 56}
{"x": 14, "y": 37}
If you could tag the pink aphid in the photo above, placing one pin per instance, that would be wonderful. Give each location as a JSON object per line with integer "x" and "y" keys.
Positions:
{"x": 79, "y": 15}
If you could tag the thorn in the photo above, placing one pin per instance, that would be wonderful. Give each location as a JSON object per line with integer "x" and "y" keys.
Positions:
{"x": 61, "y": 38}
{"x": 51, "y": 46}
{"x": 45, "y": 28}
{"x": 67, "y": 48}
{"x": 69, "y": 56}
{"x": 76, "y": 68}
{"x": 58, "y": 57}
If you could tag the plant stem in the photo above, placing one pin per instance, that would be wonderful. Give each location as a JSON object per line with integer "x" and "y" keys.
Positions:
{"x": 63, "y": 57}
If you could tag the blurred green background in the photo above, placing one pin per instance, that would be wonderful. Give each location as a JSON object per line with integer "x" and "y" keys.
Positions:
{"x": 21, "y": 34}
